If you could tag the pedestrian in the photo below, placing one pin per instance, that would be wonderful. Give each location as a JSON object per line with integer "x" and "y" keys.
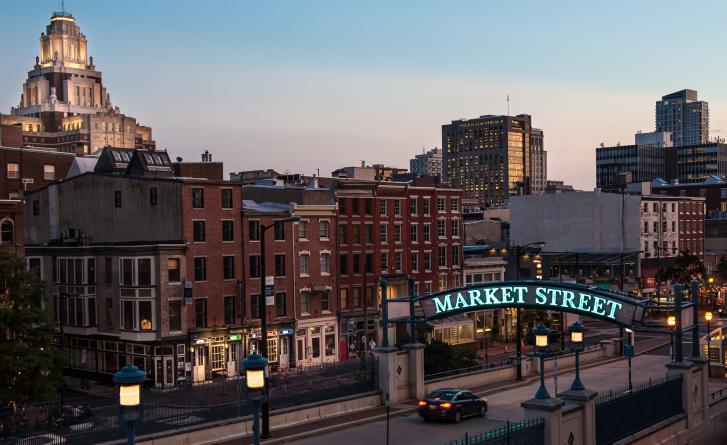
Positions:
{"x": 372, "y": 345}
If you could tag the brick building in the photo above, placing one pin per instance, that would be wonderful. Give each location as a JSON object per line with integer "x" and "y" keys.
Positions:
{"x": 26, "y": 169}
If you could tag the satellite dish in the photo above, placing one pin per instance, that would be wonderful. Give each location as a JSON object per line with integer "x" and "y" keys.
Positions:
{"x": 179, "y": 159}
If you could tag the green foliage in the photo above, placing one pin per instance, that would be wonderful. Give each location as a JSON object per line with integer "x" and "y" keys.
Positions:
{"x": 440, "y": 357}
{"x": 684, "y": 268}
{"x": 31, "y": 368}
{"x": 722, "y": 270}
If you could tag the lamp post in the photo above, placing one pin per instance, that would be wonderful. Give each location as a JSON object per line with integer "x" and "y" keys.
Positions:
{"x": 541, "y": 342}
{"x": 518, "y": 333}
{"x": 576, "y": 344}
{"x": 264, "y": 313}
{"x": 256, "y": 373}
{"x": 708, "y": 318}
{"x": 129, "y": 380}
{"x": 671, "y": 321}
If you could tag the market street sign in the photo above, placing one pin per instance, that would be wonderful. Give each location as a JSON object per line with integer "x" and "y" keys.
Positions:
{"x": 599, "y": 303}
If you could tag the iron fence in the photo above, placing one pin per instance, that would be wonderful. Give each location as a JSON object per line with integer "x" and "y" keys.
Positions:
{"x": 718, "y": 395}
{"x": 93, "y": 419}
{"x": 528, "y": 432}
{"x": 622, "y": 413}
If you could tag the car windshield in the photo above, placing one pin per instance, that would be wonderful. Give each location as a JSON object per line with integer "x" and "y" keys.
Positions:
{"x": 443, "y": 395}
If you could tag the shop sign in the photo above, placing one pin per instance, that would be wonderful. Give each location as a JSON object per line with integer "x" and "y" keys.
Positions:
{"x": 286, "y": 331}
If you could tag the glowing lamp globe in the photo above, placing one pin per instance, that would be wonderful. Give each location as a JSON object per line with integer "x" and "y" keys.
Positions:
{"x": 708, "y": 316}
{"x": 255, "y": 366}
{"x": 576, "y": 333}
{"x": 541, "y": 336}
{"x": 671, "y": 321}
{"x": 129, "y": 379}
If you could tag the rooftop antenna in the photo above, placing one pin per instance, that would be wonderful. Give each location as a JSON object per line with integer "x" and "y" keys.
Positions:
{"x": 508, "y": 104}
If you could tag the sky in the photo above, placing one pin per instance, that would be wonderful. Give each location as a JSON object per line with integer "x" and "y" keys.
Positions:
{"x": 307, "y": 86}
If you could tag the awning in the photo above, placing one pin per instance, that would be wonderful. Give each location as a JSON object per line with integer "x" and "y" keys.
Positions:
{"x": 456, "y": 320}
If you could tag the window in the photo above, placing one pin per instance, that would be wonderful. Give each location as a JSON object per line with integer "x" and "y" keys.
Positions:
{"x": 454, "y": 204}
{"x": 397, "y": 261}
{"x": 304, "y": 266}
{"x": 36, "y": 207}
{"x": 326, "y": 301}
{"x": 369, "y": 233}
{"x": 228, "y": 233}
{"x": 7, "y": 232}
{"x": 325, "y": 257}
{"x": 200, "y": 312}
{"x": 413, "y": 233}
{"x": 198, "y": 199}
{"x": 226, "y": 198}
{"x": 229, "y": 310}
{"x": 198, "y": 231}
{"x": 343, "y": 298}
{"x": 455, "y": 255}
{"x": 356, "y": 234}
{"x": 427, "y": 205}
{"x": 110, "y": 313}
{"x": 356, "y": 263}
{"x": 356, "y": 297}
{"x": 303, "y": 230}
{"x": 441, "y": 204}
{"x": 384, "y": 261}
{"x": 369, "y": 296}
{"x": 428, "y": 260}
{"x": 153, "y": 196}
{"x": 200, "y": 268}
{"x": 455, "y": 227}
{"x": 383, "y": 238}
{"x": 369, "y": 262}
{"x": 280, "y": 304}
{"x": 49, "y": 172}
{"x": 343, "y": 263}
{"x": 442, "y": 256}
{"x": 397, "y": 207}
{"x": 13, "y": 171}
{"x": 134, "y": 272}
{"x": 305, "y": 302}
{"x": 228, "y": 267}
{"x": 354, "y": 206}
{"x": 441, "y": 228}
{"x": 413, "y": 206}
{"x": 254, "y": 266}
{"x": 646, "y": 227}
{"x": 323, "y": 229}
{"x": 173, "y": 270}
{"x": 367, "y": 206}
{"x": 117, "y": 198}
{"x": 255, "y": 305}
{"x": 414, "y": 258}
{"x": 427, "y": 235}
{"x": 382, "y": 207}
{"x": 342, "y": 206}
{"x": 279, "y": 229}
{"x": 397, "y": 233}
{"x": 279, "y": 265}
{"x": 343, "y": 234}
{"x": 427, "y": 287}
{"x": 254, "y": 230}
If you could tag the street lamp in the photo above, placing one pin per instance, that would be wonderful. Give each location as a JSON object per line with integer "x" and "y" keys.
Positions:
{"x": 264, "y": 313}
{"x": 518, "y": 345}
{"x": 576, "y": 344}
{"x": 129, "y": 379}
{"x": 541, "y": 342}
{"x": 671, "y": 321}
{"x": 708, "y": 317}
{"x": 256, "y": 370}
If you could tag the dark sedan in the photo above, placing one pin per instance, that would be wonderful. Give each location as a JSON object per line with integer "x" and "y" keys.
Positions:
{"x": 452, "y": 404}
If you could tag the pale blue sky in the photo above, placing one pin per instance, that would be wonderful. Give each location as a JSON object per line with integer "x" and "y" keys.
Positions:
{"x": 300, "y": 85}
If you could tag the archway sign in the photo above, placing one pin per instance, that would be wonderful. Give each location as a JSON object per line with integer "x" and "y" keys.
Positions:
{"x": 616, "y": 307}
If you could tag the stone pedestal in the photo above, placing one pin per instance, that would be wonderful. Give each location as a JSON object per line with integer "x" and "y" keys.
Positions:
{"x": 416, "y": 370}
{"x": 609, "y": 348}
{"x": 587, "y": 400}
{"x": 550, "y": 410}
{"x": 527, "y": 365}
{"x": 387, "y": 373}
{"x": 694, "y": 390}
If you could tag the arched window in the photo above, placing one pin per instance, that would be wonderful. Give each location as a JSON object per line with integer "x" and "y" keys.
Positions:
{"x": 7, "y": 232}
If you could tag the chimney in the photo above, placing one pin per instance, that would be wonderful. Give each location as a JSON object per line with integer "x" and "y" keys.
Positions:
{"x": 206, "y": 156}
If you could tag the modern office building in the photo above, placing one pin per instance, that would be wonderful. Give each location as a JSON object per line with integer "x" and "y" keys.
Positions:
{"x": 683, "y": 115}
{"x": 427, "y": 164}
{"x": 64, "y": 103}
{"x": 494, "y": 157}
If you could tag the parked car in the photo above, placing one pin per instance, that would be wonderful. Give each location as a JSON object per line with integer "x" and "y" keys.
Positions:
{"x": 452, "y": 404}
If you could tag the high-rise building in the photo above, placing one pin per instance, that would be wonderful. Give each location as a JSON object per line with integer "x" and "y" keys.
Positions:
{"x": 494, "y": 157}
{"x": 427, "y": 164}
{"x": 64, "y": 104}
{"x": 684, "y": 116}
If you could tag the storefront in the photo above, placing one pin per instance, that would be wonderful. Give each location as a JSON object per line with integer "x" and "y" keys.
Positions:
{"x": 352, "y": 333}
{"x": 316, "y": 342}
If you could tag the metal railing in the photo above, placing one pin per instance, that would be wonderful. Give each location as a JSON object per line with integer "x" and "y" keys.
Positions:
{"x": 481, "y": 367}
{"x": 622, "y": 413}
{"x": 528, "y": 432}
{"x": 93, "y": 419}
{"x": 717, "y": 395}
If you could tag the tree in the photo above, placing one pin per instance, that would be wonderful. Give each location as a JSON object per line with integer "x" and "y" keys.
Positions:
{"x": 684, "y": 269}
{"x": 441, "y": 357}
{"x": 722, "y": 270}
{"x": 32, "y": 367}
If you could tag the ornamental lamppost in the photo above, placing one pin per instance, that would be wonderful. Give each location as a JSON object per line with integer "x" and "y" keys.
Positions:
{"x": 129, "y": 379}
{"x": 256, "y": 370}
{"x": 671, "y": 321}
{"x": 541, "y": 343}
{"x": 708, "y": 318}
{"x": 576, "y": 344}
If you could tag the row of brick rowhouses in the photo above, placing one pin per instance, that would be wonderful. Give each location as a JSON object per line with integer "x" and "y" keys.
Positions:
{"x": 149, "y": 267}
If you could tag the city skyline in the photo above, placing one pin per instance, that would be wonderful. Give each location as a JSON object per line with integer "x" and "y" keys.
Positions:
{"x": 354, "y": 68}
